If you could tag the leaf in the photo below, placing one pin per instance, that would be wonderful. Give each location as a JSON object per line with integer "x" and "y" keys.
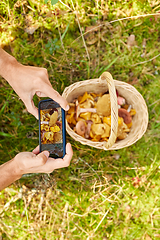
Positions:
{"x": 5, "y": 134}
{"x": 53, "y": 2}
{"x": 3, "y": 107}
{"x": 52, "y": 46}
{"x": 109, "y": 65}
{"x": 63, "y": 35}
{"x": 45, "y": 1}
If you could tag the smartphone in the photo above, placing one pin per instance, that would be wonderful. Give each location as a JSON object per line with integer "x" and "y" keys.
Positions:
{"x": 52, "y": 130}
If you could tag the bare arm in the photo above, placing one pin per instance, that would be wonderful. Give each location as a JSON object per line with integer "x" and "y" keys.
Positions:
{"x": 8, "y": 173}
{"x": 34, "y": 162}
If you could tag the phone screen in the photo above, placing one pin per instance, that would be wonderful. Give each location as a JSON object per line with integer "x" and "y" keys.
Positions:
{"x": 52, "y": 128}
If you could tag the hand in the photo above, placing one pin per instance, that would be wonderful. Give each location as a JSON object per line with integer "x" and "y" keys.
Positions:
{"x": 28, "y": 81}
{"x": 36, "y": 162}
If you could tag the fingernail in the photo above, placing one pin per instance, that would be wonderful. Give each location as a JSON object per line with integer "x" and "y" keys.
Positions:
{"x": 67, "y": 107}
{"x": 46, "y": 153}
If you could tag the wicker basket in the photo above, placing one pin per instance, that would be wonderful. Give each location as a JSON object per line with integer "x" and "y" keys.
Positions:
{"x": 133, "y": 97}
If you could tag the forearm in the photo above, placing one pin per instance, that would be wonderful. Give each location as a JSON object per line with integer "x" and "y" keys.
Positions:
{"x": 9, "y": 173}
{"x": 7, "y": 65}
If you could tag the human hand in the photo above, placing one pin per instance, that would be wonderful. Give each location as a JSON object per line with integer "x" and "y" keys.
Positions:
{"x": 28, "y": 81}
{"x": 35, "y": 162}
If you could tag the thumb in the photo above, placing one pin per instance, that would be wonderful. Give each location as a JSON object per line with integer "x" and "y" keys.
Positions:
{"x": 42, "y": 158}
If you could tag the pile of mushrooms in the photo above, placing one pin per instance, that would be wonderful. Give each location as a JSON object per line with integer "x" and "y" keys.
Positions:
{"x": 90, "y": 116}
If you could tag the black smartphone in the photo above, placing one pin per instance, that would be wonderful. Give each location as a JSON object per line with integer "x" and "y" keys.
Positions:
{"x": 52, "y": 130}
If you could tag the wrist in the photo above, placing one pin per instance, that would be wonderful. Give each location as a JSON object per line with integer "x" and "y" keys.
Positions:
{"x": 7, "y": 65}
{"x": 18, "y": 165}
{"x": 15, "y": 168}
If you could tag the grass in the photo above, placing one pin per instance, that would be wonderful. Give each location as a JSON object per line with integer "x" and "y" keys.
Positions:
{"x": 102, "y": 194}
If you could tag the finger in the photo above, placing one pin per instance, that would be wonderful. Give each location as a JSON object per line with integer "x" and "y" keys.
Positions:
{"x": 37, "y": 164}
{"x": 32, "y": 109}
{"x": 53, "y": 164}
{"x": 61, "y": 163}
{"x": 36, "y": 150}
{"x": 51, "y": 93}
{"x": 40, "y": 94}
{"x": 69, "y": 152}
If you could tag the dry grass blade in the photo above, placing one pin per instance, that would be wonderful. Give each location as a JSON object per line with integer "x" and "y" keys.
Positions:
{"x": 65, "y": 5}
{"x": 12, "y": 200}
{"x": 61, "y": 39}
{"x": 102, "y": 219}
{"x": 146, "y": 61}
{"x": 80, "y": 159}
{"x": 82, "y": 35}
{"x": 118, "y": 20}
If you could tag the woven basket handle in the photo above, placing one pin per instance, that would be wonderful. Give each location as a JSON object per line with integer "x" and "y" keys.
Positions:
{"x": 114, "y": 108}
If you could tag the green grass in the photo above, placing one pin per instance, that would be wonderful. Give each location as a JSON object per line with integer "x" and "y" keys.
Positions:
{"x": 102, "y": 194}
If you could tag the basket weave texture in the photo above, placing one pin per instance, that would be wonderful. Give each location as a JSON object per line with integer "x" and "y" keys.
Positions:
{"x": 133, "y": 98}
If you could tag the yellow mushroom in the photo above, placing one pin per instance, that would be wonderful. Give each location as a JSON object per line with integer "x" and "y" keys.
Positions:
{"x": 71, "y": 110}
{"x": 70, "y": 119}
{"x": 95, "y": 118}
{"x": 122, "y": 131}
{"x": 86, "y": 115}
{"x": 132, "y": 112}
{"x": 107, "y": 120}
{"x": 129, "y": 125}
{"x": 107, "y": 130}
{"x": 87, "y": 104}
{"x": 96, "y": 138}
{"x": 55, "y": 128}
{"x": 48, "y": 136}
{"x": 46, "y": 128}
{"x": 85, "y": 97}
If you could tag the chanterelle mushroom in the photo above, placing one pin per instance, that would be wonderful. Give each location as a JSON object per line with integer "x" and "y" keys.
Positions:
{"x": 87, "y": 104}
{"x": 95, "y": 118}
{"x": 121, "y": 134}
{"x": 107, "y": 130}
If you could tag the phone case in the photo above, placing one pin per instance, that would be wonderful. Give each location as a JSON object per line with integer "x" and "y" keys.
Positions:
{"x": 57, "y": 148}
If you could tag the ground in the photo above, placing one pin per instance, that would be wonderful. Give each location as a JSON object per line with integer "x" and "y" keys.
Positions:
{"x": 102, "y": 194}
